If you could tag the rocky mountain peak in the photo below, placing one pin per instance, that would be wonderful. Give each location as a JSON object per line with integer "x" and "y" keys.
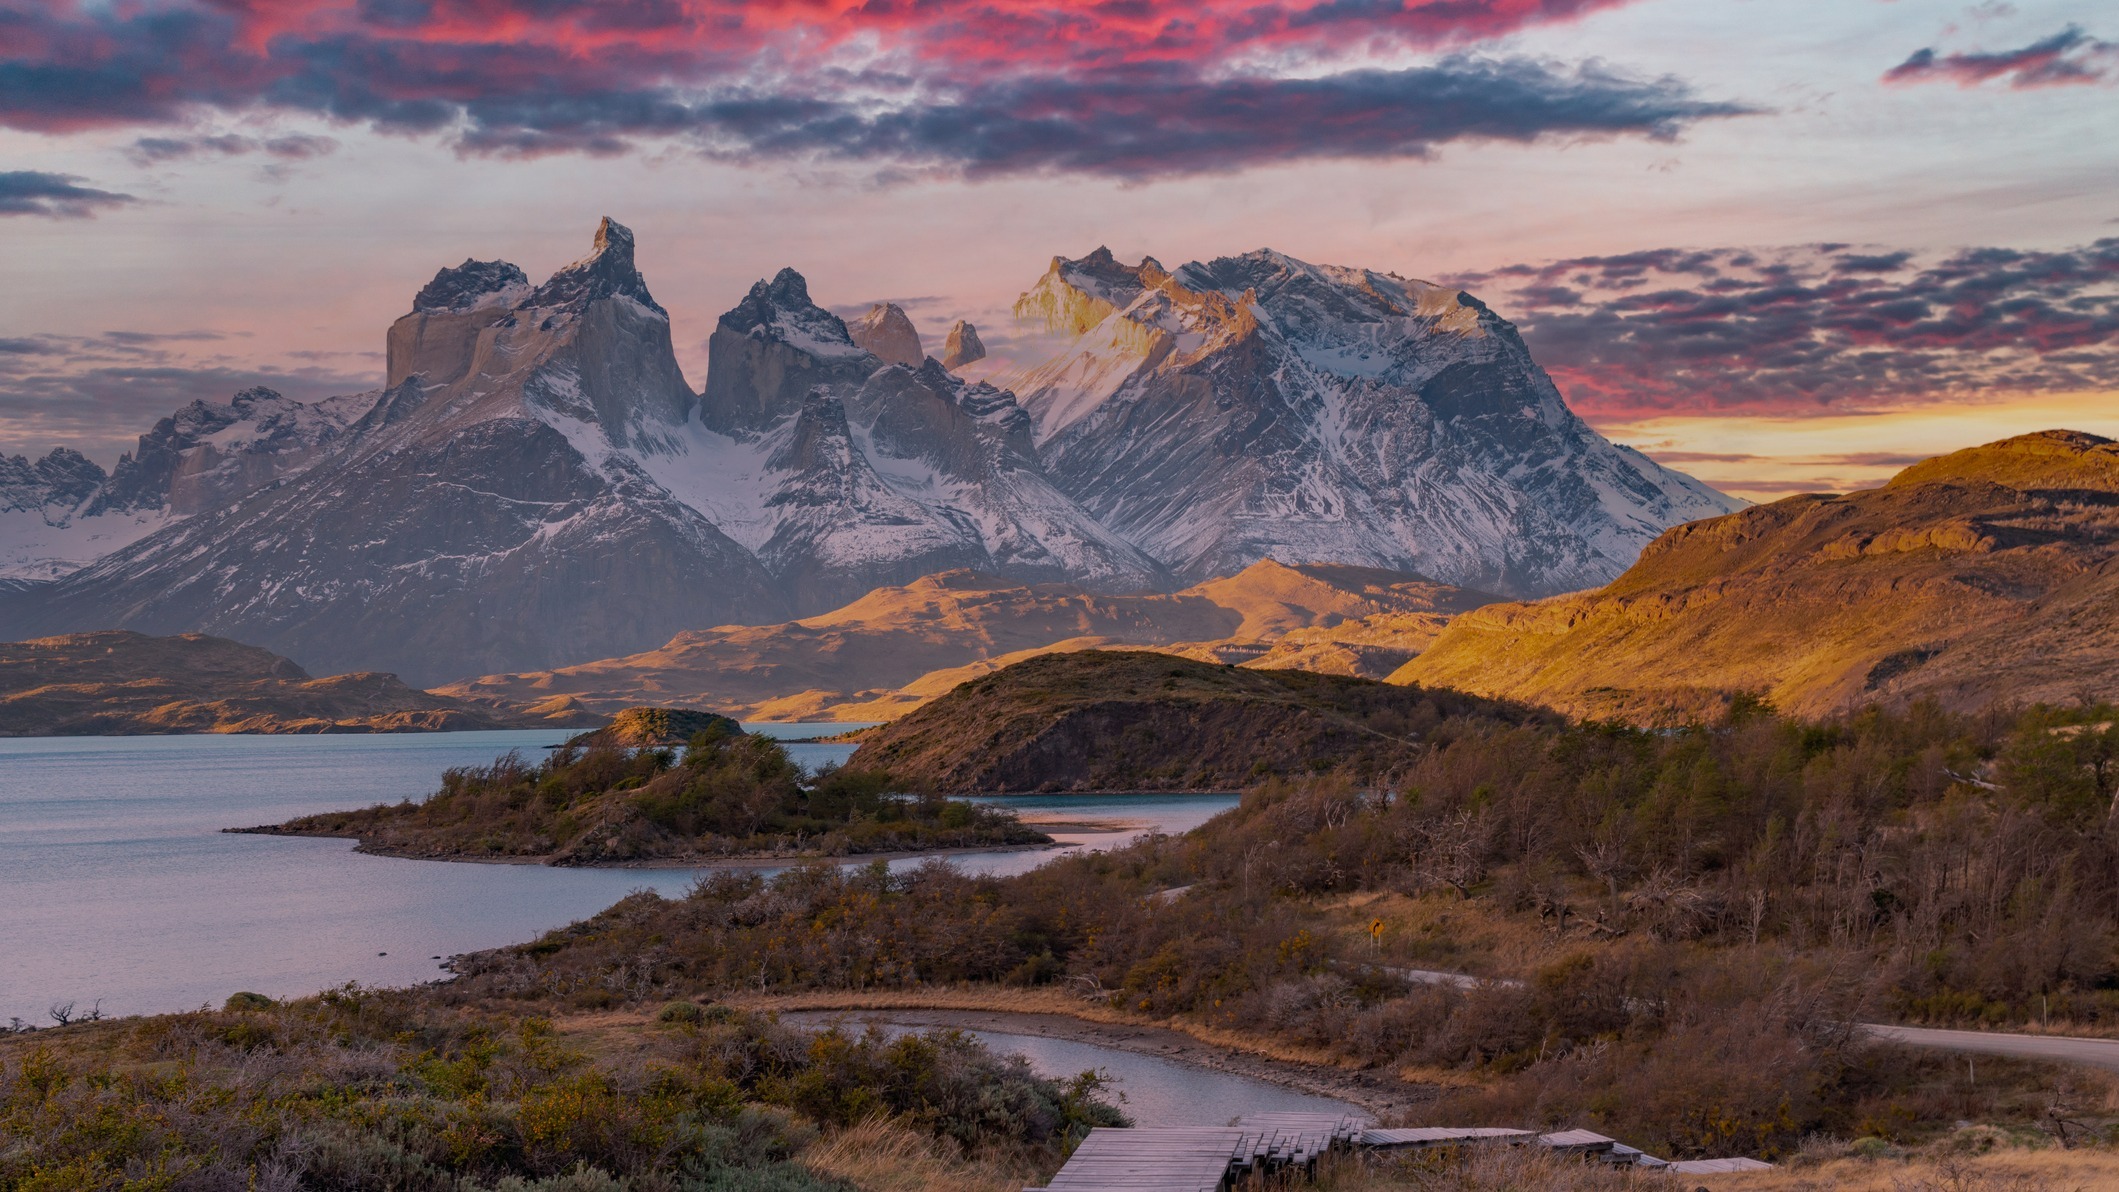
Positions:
{"x": 781, "y": 310}
{"x": 63, "y": 479}
{"x": 607, "y": 272}
{"x": 962, "y": 346}
{"x": 473, "y": 285}
{"x": 887, "y": 331}
{"x": 770, "y": 350}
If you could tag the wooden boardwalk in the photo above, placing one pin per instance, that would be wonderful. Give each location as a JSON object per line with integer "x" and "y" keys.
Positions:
{"x": 1203, "y": 1158}
{"x": 1213, "y": 1158}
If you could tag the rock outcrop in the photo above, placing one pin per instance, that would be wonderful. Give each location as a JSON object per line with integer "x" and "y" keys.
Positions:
{"x": 887, "y": 331}
{"x": 1989, "y": 575}
{"x": 962, "y": 345}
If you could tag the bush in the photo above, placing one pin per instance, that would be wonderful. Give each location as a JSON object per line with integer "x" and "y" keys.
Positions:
{"x": 681, "y": 1014}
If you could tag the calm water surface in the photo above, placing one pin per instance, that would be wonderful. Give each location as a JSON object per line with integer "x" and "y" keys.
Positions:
{"x": 1154, "y": 1091}
{"x": 117, "y": 884}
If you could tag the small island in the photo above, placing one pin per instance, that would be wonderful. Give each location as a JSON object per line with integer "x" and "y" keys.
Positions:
{"x": 663, "y": 787}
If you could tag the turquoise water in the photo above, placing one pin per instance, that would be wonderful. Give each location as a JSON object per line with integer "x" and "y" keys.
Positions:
{"x": 117, "y": 884}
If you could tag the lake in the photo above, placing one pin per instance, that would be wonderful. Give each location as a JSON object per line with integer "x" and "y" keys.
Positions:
{"x": 117, "y": 883}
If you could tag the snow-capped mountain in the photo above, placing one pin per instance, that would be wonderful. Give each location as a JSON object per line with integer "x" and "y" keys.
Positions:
{"x": 536, "y": 484}
{"x": 63, "y": 512}
{"x": 1258, "y": 406}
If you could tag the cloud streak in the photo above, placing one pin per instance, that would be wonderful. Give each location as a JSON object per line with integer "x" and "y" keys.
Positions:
{"x": 1127, "y": 88}
{"x": 53, "y": 196}
{"x": 1814, "y": 330}
{"x": 2069, "y": 56}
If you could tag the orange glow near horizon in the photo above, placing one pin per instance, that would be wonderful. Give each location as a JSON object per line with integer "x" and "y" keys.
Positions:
{"x": 1766, "y": 458}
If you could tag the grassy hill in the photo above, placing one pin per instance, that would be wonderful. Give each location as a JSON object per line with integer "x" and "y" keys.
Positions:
{"x": 1988, "y": 575}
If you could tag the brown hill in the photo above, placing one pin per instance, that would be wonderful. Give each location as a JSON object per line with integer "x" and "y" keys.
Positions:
{"x": 1138, "y": 721}
{"x": 1988, "y": 574}
{"x": 119, "y": 683}
{"x": 898, "y": 647}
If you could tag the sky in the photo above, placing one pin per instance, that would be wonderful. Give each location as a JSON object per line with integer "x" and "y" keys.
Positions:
{"x": 1784, "y": 245}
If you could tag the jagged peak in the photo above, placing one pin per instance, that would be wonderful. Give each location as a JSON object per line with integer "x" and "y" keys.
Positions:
{"x": 962, "y": 345}
{"x": 788, "y": 288}
{"x": 782, "y": 310}
{"x": 609, "y": 271}
{"x": 887, "y": 331}
{"x": 471, "y": 286}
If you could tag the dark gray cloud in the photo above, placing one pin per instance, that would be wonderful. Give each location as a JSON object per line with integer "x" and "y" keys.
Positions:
{"x": 978, "y": 89}
{"x": 54, "y": 196}
{"x": 149, "y": 151}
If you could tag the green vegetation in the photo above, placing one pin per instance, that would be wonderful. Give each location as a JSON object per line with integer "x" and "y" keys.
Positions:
{"x": 727, "y": 794}
{"x": 1688, "y": 921}
{"x": 419, "y": 1091}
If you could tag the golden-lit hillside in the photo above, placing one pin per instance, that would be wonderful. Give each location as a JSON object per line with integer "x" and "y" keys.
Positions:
{"x": 1988, "y": 574}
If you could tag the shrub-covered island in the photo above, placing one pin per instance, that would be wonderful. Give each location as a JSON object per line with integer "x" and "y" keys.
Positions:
{"x": 631, "y": 798}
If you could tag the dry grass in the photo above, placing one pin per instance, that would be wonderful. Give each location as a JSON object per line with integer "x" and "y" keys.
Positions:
{"x": 878, "y": 1155}
{"x": 1443, "y": 931}
{"x": 1480, "y": 1169}
{"x": 2001, "y": 1171}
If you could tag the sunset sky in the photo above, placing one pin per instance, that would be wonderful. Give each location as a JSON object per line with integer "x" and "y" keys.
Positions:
{"x": 1781, "y": 244}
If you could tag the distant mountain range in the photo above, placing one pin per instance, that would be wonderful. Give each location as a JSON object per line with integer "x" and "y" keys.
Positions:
{"x": 1989, "y": 575}
{"x": 118, "y": 683}
{"x": 536, "y": 484}
{"x": 901, "y": 646}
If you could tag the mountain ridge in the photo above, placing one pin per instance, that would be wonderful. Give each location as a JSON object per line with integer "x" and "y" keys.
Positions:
{"x": 537, "y": 484}
{"x": 120, "y": 683}
{"x": 898, "y": 646}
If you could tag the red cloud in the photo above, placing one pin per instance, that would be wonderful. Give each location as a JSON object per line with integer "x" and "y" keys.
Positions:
{"x": 1125, "y": 87}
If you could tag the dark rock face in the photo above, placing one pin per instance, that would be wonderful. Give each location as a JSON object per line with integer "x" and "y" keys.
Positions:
{"x": 471, "y": 285}
{"x": 63, "y": 479}
{"x": 607, "y": 272}
{"x": 770, "y": 350}
{"x": 191, "y": 461}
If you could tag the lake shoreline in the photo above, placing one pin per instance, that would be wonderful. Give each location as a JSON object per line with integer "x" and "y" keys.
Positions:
{"x": 690, "y": 861}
